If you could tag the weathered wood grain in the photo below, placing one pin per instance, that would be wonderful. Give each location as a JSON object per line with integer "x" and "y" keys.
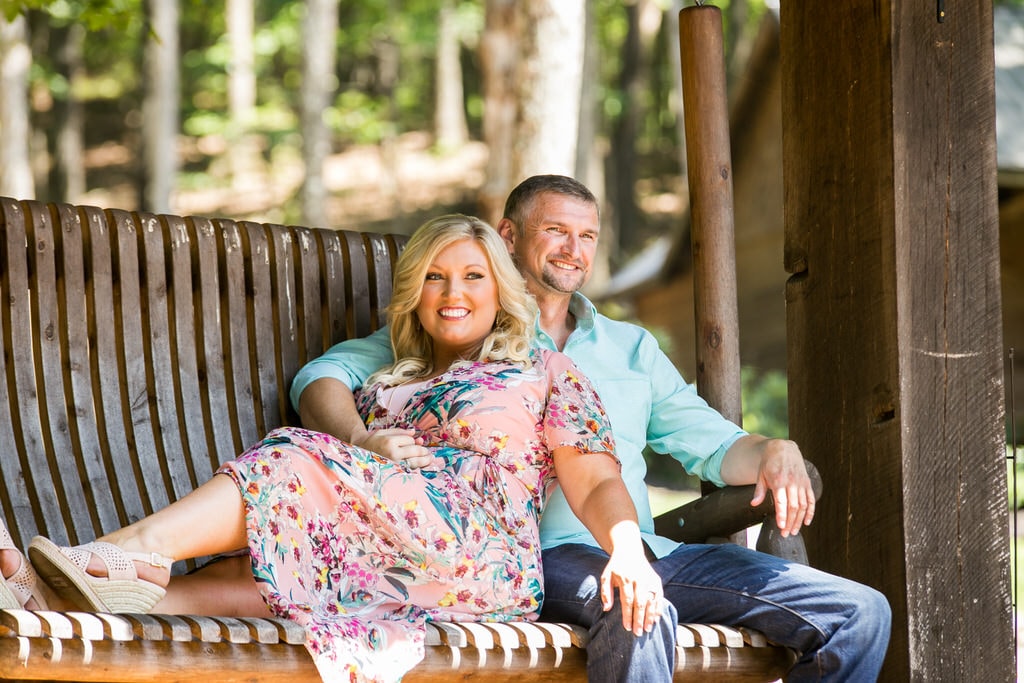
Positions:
{"x": 894, "y": 319}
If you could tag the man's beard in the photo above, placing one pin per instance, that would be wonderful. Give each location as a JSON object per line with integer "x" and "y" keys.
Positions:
{"x": 561, "y": 283}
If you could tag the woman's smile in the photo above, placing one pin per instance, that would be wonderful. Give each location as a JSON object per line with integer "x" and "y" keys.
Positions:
{"x": 458, "y": 302}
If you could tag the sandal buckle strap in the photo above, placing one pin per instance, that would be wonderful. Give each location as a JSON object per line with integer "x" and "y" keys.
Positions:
{"x": 158, "y": 560}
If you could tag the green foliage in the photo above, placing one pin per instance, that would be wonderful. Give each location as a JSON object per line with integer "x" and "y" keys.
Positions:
{"x": 765, "y": 407}
{"x": 1015, "y": 477}
{"x": 94, "y": 14}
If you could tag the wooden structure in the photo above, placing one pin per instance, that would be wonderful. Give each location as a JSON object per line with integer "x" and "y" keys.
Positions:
{"x": 893, "y": 303}
{"x": 141, "y": 351}
{"x": 893, "y": 307}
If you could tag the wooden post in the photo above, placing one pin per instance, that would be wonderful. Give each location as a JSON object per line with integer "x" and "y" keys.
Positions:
{"x": 893, "y": 318}
{"x": 712, "y": 233}
{"x": 709, "y": 172}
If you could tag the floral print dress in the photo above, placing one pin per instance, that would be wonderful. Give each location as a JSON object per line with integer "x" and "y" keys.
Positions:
{"x": 362, "y": 551}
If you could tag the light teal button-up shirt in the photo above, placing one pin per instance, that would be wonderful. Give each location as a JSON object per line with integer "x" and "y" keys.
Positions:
{"x": 647, "y": 401}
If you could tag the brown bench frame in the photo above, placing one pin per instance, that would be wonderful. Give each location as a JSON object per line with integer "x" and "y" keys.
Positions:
{"x": 140, "y": 352}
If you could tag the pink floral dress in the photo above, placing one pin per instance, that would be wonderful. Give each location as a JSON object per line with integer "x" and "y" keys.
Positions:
{"x": 363, "y": 551}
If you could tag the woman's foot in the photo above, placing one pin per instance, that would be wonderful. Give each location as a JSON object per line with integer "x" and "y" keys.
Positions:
{"x": 100, "y": 576}
{"x": 18, "y": 585}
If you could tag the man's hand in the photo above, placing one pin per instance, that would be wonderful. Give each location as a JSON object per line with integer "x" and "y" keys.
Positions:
{"x": 397, "y": 445}
{"x": 776, "y": 466}
{"x": 782, "y": 472}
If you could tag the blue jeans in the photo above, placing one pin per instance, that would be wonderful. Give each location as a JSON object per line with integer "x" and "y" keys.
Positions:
{"x": 838, "y": 628}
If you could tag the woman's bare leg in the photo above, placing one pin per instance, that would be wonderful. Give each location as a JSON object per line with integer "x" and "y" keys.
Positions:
{"x": 208, "y": 521}
{"x": 224, "y": 588}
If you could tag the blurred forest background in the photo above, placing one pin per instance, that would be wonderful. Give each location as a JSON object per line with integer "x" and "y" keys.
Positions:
{"x": 362, "y": 115}
{"x": 369, "y": 115}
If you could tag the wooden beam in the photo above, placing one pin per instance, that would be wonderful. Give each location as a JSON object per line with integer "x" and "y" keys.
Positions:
{"x": 709, "y": 173}
{"x": 893, "y": 307}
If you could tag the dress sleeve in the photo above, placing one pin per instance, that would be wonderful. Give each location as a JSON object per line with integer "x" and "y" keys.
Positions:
{"x": 574, "y": 415}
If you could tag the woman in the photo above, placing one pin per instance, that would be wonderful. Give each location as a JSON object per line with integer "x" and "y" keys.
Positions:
{"x": 362, "y": 550}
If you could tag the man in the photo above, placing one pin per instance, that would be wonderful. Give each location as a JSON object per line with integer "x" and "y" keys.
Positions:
{"x": 839, "y": 628}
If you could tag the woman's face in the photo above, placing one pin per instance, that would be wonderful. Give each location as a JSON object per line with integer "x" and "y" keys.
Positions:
{"x": 458, "y": 302}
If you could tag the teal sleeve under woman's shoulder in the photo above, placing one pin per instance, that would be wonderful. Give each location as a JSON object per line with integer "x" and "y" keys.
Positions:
{"x": 350, "y": 362}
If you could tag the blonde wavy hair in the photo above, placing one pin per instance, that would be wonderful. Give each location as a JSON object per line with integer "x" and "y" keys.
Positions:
{"x": 413, "y": 348}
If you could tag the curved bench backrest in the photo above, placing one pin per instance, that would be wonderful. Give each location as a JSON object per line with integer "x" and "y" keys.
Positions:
{"x": 141, "y": 350}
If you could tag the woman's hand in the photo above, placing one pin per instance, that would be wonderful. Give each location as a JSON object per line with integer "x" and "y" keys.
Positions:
{"x": 599, "y": 498}
{"x": 398, "y": 445}
{"x": 640, "y": 590}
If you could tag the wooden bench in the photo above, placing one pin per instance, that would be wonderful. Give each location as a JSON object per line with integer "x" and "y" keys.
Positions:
{"x": 141, "y": 351}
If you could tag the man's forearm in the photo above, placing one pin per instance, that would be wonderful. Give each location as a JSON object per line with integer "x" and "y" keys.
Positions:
{"x": 328, "y": 405}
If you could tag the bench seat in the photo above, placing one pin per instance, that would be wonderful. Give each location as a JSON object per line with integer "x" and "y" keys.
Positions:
{"x": 140, "y": 352}
{"x": 44, "y": 645}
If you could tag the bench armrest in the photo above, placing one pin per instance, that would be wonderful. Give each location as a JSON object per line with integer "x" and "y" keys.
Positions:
{"x": 727, "y": 511}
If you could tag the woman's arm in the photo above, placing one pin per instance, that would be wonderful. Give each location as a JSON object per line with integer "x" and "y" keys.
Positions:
{"x": 327, "y": 405}
{"x": 597, "y": 495}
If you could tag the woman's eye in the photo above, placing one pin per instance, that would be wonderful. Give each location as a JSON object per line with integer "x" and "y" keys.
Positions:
{"x": 433, "y": 276}
{"x": 474, "y": 276}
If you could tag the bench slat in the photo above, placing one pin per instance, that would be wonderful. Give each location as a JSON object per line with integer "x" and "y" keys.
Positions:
{"x": 100, "y": 238}
{"x": 87, "y": 440}
{"x": 160, "y": 354}
{"x": 39, "y": 499}
{"x": 60, "y": 325}
{"x": 188, "y": 394}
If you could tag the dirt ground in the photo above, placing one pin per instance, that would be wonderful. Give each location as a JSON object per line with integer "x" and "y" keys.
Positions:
{"x": 369, "y": 187}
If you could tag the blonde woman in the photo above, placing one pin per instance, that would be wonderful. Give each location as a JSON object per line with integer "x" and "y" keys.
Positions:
{"x": 362, "y": 550}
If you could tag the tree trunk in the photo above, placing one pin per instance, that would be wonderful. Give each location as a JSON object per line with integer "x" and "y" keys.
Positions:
{"x": 160, "y": 105}
{"x": 499, "y": 54}
{"x": 243, "y": 154}
{"x": 676, "y": 105}
{"x": 15, "y": 59}
{"x": 644, "y": 20}
{"x": 319, "y": 45}
{"x": 450, "y": 128}
{"x": 549, "y": 83}
{"x": 739, "y": 39}
{"x": 589, "y": 158}
{"x": 590, "y": 154}
{"x": 68, "y": 180}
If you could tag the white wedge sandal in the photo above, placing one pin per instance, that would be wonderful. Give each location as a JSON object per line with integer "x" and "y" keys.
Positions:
{"x": 17, "y": 589}
{"x": 121, "y": 591}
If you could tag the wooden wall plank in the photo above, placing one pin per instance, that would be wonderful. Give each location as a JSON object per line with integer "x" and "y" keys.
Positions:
{"x": 947, "y": 248}
{"x": 893, "y": 317}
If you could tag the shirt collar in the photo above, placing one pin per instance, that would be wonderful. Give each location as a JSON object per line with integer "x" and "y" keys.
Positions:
{"x": 584, "y": 311}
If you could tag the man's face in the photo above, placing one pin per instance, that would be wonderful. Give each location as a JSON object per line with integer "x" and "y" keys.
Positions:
{"x": 555, "y": 249}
